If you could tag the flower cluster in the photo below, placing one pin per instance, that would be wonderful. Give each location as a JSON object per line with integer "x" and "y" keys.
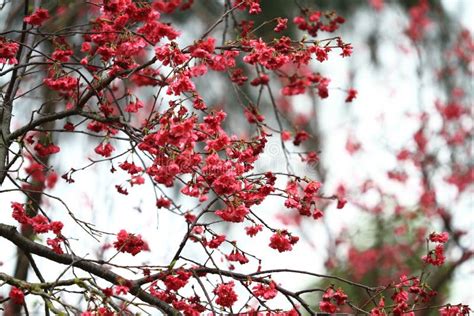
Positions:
{"x": 41, "y": 177}
{"x": 42, "y": 144}
{"x": 408, "y": 291}
{"x": 304, "y": 200}
{"x": 38, "y": 17}
{"x": 105, "y": 149}
{"x": 226, "y": 296}
{"x": 237, "y": 256}
{"x": 62, "y": 83}
{"x": 133, "y": 244}
{"x": 436, "y": 257}
{"x": 8, "y": 51}
{"x": 455, "y": 310}
{"x": 40, "y": 225}
{"x": 419, "y": 20}
{"x": 253, "y": 6}
{"x": 176, "y": 282}
{"x": 283, "y": 241}
{"x": 17, "y": 296}
{"x": 331, "y": 300}
{"x": 313, "y": 22}
{"x": 265, "y": 291}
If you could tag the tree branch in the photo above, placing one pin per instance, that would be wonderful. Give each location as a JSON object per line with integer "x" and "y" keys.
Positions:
{"x": 10, "y": 233}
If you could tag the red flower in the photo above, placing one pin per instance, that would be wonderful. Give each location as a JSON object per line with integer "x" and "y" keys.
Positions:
{"x": 130, "y": 243}
{"x": 456, "y": 310}
{"x": 154, "y": 31}
{"x": 163, "y": 202}
{"x": 38, "y": 17}
{"x": 62, "y": 55}
{"x": 104, "y": 150}
{"x": 341, "y": 202}
{"x": 65, "y": 83}
{"x": 56, "y": 227}
{"x": 300, "y": 137}
{"x": 255, "y": 8}
{"x": 226, "y": 296}
{"x": 327, "y": 307}
{"x": 108, "y": 292}
{"x": 238, "y": 77}
{"x": 331, "y": 299}
{"x": 85, "y": 47}
{"x": 17, "y": 296}
{"x": 181, "y": 83}
{"x": 47, "y": 150}
{"x": 262, "y": 79}
{"x": 237, "y": 256}
{"x": 421, "y": 140}
{"x": 121, "y": 289}
{"x": 321, "y": 53}
{"x": 121, "y": 190}
{"x": 204, "y": 48}
{"x": 51, "y": 180}
{"x": 55, "y": 243}
{"x": 253, "y": 116}
{"x": 435, "y": 257}
{"x": 216, "y": 241}
{"x": 441, "y": 238}
{"x": 137, "y": 180}
{"x": 8, "y": 52}
{"x": 265, "y": 291}
{"x": 174, "y": 283}
{"x": 351, "y": 95}
{"x": 285, "y": 135}
{"x": 131, "y": 168}
{"x": 282, "y": 241}
{"x": 190, "y": 218}
{"x": 312, "y": 187}
{"x": 281, "y": 25}
{"x": 253, "y": 230}
{"x": 233, "y": 214}
{"x": 317, "y": 214}
{"x": 133, "y": 107}
{"x": 40, "y": 224}
{"x": 19, "y": 213}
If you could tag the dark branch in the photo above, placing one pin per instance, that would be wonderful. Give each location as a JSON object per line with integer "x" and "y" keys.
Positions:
{"x": 10, "y": 233}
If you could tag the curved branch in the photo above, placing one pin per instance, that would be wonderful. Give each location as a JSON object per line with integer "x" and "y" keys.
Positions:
{"x": 10, "y": 233}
